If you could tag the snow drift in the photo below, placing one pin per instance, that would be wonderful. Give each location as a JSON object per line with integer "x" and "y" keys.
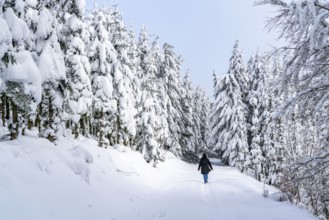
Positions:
{"x": 78, "y": 180}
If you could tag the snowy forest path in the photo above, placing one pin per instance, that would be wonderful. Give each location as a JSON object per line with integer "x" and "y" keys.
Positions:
{"x": 229, "y": 195}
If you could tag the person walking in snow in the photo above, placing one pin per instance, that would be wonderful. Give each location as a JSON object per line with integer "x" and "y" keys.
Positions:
{"x": 205, "y": 167}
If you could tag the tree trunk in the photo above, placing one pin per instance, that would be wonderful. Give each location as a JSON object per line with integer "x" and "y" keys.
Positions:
{"x": 50, "y": 120}
{"x": 15, "y": 125}
{"x": 3, "y": 109}
{"x": 91, "y": 129}
{"x": 101, "y": 129}
{"x": 76, "y": 130}
{"x": 37, "y": 122}
{"x": 117, "y": 141}
{"x": 29, "y": 123}
{"x": 83, "y": 126}
{"x": 7, "y": 108}
{"x": 22, "y": 123}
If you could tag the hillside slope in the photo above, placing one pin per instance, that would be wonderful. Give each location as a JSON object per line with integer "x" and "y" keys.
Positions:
{"x": 78, "y": 180}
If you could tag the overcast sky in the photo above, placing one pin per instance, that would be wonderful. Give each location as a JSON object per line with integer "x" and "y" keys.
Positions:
{"x": 202, "y": 31}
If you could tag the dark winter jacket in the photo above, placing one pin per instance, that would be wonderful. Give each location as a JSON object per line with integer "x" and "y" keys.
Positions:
{"x": 205, "y": 165}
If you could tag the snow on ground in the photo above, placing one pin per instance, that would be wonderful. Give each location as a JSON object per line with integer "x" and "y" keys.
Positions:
{"x": 78, "y": 180}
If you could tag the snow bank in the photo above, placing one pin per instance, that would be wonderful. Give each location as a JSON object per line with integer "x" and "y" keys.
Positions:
{"x": 78, "y": 180}
{"x": 80, "y": 162}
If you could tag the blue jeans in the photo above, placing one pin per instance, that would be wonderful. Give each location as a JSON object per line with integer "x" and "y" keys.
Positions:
{"x": 205, "y": 178}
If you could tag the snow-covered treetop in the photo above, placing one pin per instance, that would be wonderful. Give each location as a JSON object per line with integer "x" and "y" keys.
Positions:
{"x": 5, "y": 37}
{"x": 51, "y": 65}
{"x": 143, "y": 41}
{"x": 81, "y": 6}
{"x": 76, "y": 7}
{"x": 74, "y": 24}
{"x": 19, "y": 29}
{"x": 45, "y": 24}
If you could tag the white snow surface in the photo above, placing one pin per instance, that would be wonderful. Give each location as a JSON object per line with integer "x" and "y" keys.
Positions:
{"x": 78, "y": 180}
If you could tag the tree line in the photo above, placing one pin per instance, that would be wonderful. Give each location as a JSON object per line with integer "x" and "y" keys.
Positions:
{"x": 65, "y": 71}
{"x": 270, "y": 116}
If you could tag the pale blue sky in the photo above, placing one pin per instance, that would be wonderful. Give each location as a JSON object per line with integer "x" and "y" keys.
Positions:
{"x": 202, "y": 31}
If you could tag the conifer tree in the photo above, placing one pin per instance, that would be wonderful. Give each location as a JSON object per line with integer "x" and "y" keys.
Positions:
{"x": 6, "y": 57}
{"x": 160, "y": 97}
{"x": 256, "y": 157}
{"x": 228, "y": 118}
{"x": 237, "y": 68}
{"x": 227, "y": 135}
{"x": 135, "y": 68}
{"x": 124, "y": 80}
{"x": 103, "y": 59}
{"x": 21, "y": 96}
{"x": 79, "y": 94}
{"x": 170, "y": 70}
{"x": 203, "y": 118}
{"x": 216, "y": 109}
{"x": 52, "y": 68}
{"x": 189, "y": 148}
{"x": 148, "y": 136}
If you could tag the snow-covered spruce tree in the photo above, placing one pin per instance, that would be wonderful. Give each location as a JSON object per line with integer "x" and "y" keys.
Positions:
{"x": 250, "y": 69}
{"x": 256, "y": 159}
{"x": 146, "y": 139}
{"x": 145, "y": 106}
{"x": 52, "y": 69}
{"x": 196, "y": 139}
{"x": 135, "y": 67}
{"x": 190, "y": 147}
{"x": 201, "y": 112}
{"x": 148, "y": 127}
{"x": 304, "y": 25}
{"x": 242, "y": 75}
{"x": 123, "y": 81}
{"x": 103, "y": 59}
{"x": 22, "y": 92}
{"x": 228, "y": 134}
{"x": 161, "y": 99}
{"x": 204, "y": 118}
{"x": 143, "y": 47}
{"x": 79, "y": 94}
{"x": 237, "y": 68}
{"x": 170, "y": 76}
{"x": 261, "y": 124}
{"x": 266, "y": 111}
{"x": 214, "y": 116}
{"x": 6, "y": 57}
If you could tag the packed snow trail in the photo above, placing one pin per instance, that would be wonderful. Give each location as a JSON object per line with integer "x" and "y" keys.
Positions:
{"x": 78, "y": 180}
{"x": 229, "y": 195}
